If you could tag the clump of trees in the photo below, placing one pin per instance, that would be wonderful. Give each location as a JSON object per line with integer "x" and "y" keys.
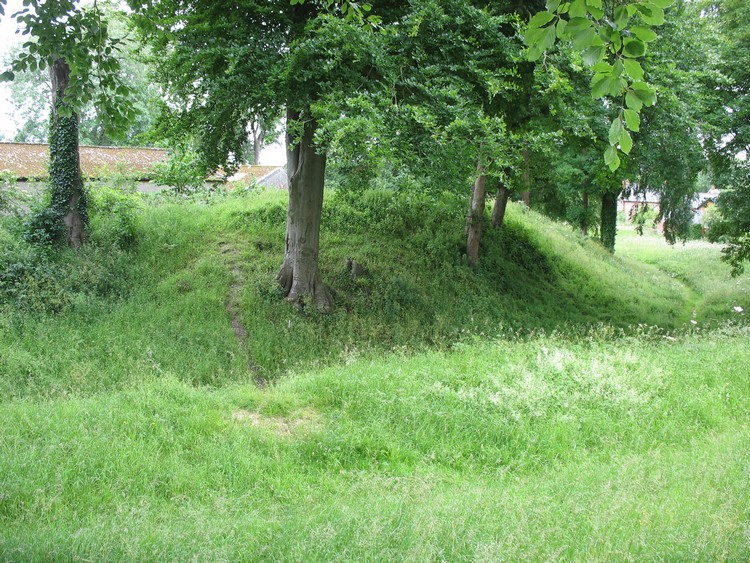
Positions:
{"x": 551, "y": 102}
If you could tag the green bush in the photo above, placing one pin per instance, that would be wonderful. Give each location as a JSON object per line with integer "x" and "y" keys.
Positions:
{"x": 37, "y": 278}
{"x": 43, "y": 226}
{"x": 115, "y": 215}
{"x": 12, "y": 200}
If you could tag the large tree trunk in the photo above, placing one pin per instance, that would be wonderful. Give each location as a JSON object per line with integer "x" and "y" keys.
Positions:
{"x": 609, "y": 219}
{"x": 299, "y": 275}
{"x": 501, "y": 203}
{"x": 66, "y": 183}
{"x": 475, "y": 217}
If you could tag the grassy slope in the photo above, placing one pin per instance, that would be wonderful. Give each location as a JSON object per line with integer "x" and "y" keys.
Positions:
{"x": 417, "y": 294}
{"x": 698, "y": 266}
{"x": 136, "y": 435}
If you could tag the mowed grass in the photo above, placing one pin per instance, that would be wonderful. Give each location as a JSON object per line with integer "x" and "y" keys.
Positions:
{"x": 545, "y": 449}
{"x": 518, "y": 411}
{"x": 698, "y": 265}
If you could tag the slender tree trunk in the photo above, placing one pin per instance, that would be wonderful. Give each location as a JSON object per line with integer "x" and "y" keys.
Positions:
{"x": 609, "y": 219}
{"x": 475, "y": 217}
{"x": 526, "y": 194}
{"x": 585, "y": 216}
{"x": 66, "y": 183}
{"x": 299, "y": 274}
{"x": 259, "y": 135}
{"x": 501, "y": 203}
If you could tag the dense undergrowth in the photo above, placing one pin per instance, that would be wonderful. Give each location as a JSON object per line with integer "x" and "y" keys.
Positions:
{"x": 556, "y": 403}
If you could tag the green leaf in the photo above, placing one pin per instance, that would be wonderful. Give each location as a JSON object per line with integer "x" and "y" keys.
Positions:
{"x": 648, "y": 98}
{"x": 632, "y": 120}
{"x": 615, "y": 130}
{"x": 621, "y": 17}
{"x": 633, "y": 48}
{"x": 552, "y": 5}
{"x": 7, "y": 76}
{"x": 561, "y": 25}
{"x": 616, "y": 40}
{"x": 611, "y": 159}
{"x": 533, "y": 37}
{"x": 651, "y": 13}
{"x": 615, "y": 164}
{"x": 626, "y": 142}
{"x": 645, "y": 34}
{"x": 577, "y": 9}
{"x": 594, "y": 3}
{"x": 609, "y": 154}
{"x": 633, "y": 102}
{"x": 540, "y": 19}
{"x": 593, "y": 55}
{"x": 633, "y": 68}
{"x": 663, "y": 3}
{"x": 584, "y": 39}
{"x": 602, "y": 67}
{"x": 599, "y": 85}
{"x": 616, "y": 86}
{"x": 617, "y": 69}
{"x": 645, "y": 92}
{"x": 598, "y": 13}
{"x": 577, "y": 24}
{"x": 532, "y": 54}
{"x": 549, "y": 37}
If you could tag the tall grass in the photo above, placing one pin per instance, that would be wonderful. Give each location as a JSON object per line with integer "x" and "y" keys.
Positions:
{"x": 549, "y": 448}
{"x": 555, "y": 403}
{"x": 415, "y": 293}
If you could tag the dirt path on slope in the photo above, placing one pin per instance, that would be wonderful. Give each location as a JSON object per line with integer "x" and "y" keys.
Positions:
{"x": 230, "y": 255}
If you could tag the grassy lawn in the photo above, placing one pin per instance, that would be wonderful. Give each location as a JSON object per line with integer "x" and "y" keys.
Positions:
{"x": 554, "y": 404}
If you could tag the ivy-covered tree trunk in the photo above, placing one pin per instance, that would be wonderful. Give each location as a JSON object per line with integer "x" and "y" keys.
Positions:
{"x": 299, "y": 274}
{"x": 609, "y": 219}
{"x": 68, "y": 200}
{"x": 501, "y": 204}
{"x": 475, "y": 217}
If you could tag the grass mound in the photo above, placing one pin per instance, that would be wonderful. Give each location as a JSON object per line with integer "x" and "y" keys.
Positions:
{"x": 555, "y": 403}
{"x": 163, "y": 308}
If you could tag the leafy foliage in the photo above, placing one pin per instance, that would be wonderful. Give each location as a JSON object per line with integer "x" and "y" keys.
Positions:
{"x": 31, "y": 94}
{"x": 610, "y": 37}
{"x": 61, "y": 30}
{"x": 12, "y": 200}
{"x": 733, "y": 226}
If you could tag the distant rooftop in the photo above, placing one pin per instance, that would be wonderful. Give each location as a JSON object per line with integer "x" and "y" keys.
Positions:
{"x": 31, "y": 160}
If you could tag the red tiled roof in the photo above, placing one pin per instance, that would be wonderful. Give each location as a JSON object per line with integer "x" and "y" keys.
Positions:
{"x": 28, "y": 160}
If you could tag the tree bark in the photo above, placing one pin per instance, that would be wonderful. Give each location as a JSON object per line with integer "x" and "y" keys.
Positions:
{"x": 609, "y": 219}
{"x": 585, "y": 216}
{"x": 66, "y": 183}
{"x": 475, "y": 217}
{"x": 259, "y": 137}
{"x": 299, "y": 274}
{"x": 501, "y": 203}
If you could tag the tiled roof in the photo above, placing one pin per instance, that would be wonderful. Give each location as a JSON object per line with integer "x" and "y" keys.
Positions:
{"x": 246, "y": 172}
{"x": 28, "y": 160}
